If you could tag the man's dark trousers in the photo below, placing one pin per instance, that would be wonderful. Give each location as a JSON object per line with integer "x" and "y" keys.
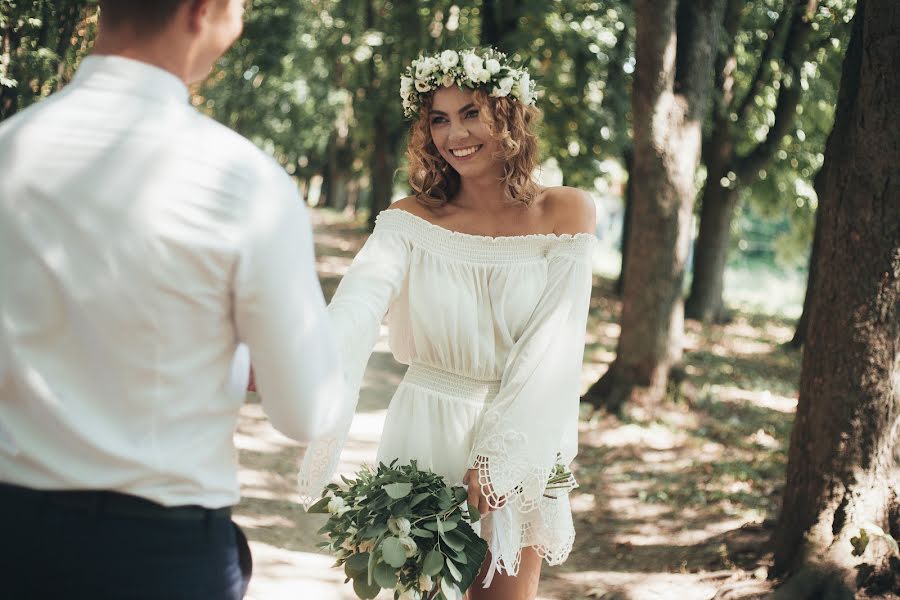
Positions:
{"x": 105, "y": 545}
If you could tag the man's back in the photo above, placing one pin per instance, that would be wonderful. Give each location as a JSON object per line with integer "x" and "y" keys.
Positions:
{"x": 131, "y": 229}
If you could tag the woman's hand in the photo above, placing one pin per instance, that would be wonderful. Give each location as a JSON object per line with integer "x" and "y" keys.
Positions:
{"x": 476, "y": 497}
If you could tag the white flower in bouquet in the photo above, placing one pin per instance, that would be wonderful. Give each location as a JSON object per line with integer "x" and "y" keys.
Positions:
{"x": 399, "y": 526}
{"x": 337, "y": 506}
{"x": 409, "y": 546}
{"x": 522, "y": 88}
{"x": 410, "y": 594}
{"x": 449, "y": 59}
{"x": 474, "y": 67}
{"x": 406, "y": 86}
{"x": 422, "y": 86}
{"x": 426, "y": 67}
{"x": 492, "y": 65}
{"x": 426, "y": 583}
{"x": 503, "y": 88}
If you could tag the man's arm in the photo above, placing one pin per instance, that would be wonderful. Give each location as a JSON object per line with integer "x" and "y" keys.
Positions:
{"x": 280, "y": 314}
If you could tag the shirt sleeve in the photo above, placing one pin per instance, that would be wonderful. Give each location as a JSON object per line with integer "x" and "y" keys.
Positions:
{"x": 280, "y": 314}
{"x": 531, "y": 426}
{"x": 357, "y": 310}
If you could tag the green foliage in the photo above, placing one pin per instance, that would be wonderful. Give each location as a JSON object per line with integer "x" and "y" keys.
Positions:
{"x": 401, "y": 528}
{"x": 782, "y": 195}
{"x": 41, "y": 43}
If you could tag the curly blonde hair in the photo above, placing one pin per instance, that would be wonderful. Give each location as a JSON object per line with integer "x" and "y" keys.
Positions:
{"x": 435, "y": 183}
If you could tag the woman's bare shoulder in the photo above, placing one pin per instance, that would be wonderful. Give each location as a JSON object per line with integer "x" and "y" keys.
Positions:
{"x": 411, "y": 205}
{"x": 570, "y": 210}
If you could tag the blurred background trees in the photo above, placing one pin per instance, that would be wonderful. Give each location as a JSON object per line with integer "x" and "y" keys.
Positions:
{"x": 315, "y": 84}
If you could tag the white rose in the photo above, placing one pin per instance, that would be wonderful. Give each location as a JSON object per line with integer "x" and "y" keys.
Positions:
{"x": 503, "y": 88}
{"x": 448, "y": 80}
{"x": 336, "y": 504}
{"x": 422, "y": 86}
{"x": 522, "y": 89}
{"x": 473, "y": 65}
{"x": 406, "y": 85}
{"x": 399, "y": 526}
{"x": 492, "y": 65}
{"x": 449, "y": 59}
{"x": 409, "y": 545}
{"x": 426, "y": 583}
{"x": 423, "y": 68}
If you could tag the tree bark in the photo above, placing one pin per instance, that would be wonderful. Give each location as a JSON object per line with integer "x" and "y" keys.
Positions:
{"x": 628, "y": 161}
{"x": 383, "y": 165}
{"x": 803, "y": 322}
{"x": 675, "y": 47}
{"x": 844, "y": 459}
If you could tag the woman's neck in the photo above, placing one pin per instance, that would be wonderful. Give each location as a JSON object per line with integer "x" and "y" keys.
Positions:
{"x": 486, "y": 193}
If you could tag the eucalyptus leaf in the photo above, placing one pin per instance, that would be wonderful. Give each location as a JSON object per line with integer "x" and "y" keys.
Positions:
{"x": 385, "y": 575}
{"x": 452, "y": 542}
{"x": 392, "y": 552}
{"x": 363, "y": 589}
{"x": 433, "y": 563}
{"x": 421, "y": 532}
{"x": 454, "y": 572}
{"x": 450, "y": 591}
{"x": 418, "y": 498}
{"x": 321, "y": 506}
{"x": 474, "y": 515}
{"x": 398, "y": 490}
{"x": 357, "y": 564}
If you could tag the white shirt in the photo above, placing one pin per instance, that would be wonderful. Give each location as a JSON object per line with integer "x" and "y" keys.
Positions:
{"x": 140, "y": 243}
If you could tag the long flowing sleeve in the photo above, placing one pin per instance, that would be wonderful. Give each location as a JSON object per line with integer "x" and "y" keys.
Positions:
{"x": 532, "y": 424}
{"x": 356, "y": 311}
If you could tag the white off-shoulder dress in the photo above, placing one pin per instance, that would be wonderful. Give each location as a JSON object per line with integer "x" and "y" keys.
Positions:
{"x": 493, "y": 332}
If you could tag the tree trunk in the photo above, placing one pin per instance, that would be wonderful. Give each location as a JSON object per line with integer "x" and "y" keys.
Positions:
{"x": 383, "y": 165}
{"x": 844, "y": 461}
{"x": 803, "y": 323}
{"x": 628, "y": 161}
{"x": 711, "y": 253}
{"x": 672, "y": 82}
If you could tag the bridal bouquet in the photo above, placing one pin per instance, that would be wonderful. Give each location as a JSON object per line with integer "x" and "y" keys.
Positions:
{"x": 402, "y": 529}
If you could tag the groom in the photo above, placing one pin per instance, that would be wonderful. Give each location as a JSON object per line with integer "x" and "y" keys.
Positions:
{"x": 140, "y": 242}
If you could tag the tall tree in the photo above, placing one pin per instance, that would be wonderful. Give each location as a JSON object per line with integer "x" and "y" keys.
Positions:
{"x": 843, "y": 476}
{"x": 675, "y": 47}
{"x": 729, "y": 168}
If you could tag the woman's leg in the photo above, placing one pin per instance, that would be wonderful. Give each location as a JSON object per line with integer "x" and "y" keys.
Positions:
{"x": 523, "y": 586}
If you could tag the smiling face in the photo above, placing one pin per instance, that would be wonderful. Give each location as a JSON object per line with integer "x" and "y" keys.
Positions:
{"x": 461, "y": 137}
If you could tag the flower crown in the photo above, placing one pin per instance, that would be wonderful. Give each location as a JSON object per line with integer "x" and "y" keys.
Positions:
{"x": 471, "y": 68}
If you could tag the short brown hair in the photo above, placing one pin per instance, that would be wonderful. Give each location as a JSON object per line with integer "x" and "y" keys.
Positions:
{"x": 145, "y": 16}
{"x": 434, "y": 182}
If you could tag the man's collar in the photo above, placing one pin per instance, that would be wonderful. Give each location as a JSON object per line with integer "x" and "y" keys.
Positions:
{"x": 117, "y": 73}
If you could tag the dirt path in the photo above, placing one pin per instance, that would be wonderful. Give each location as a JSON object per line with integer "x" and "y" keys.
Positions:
{"x": 669, "y": 507}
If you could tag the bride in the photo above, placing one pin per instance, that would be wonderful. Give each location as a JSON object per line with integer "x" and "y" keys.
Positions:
{"x": 485, "y": 278}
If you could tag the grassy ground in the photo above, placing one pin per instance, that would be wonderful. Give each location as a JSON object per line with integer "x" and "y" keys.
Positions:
{"x": 669, "y": 506}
